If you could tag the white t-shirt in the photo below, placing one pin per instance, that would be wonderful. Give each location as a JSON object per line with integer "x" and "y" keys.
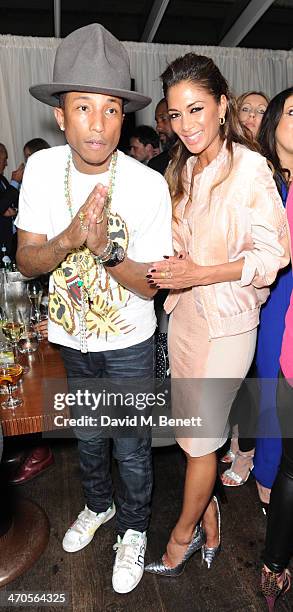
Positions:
{"x": 140, "y": 221}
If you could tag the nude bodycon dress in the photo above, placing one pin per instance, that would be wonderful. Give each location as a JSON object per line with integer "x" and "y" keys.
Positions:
{"x": 206, "y": 373}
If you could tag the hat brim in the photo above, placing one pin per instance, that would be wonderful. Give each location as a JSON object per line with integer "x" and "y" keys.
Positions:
{"x": 49, "y": 94}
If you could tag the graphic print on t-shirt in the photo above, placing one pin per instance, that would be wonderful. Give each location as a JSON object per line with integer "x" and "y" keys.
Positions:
{"x": 106, "y": 298}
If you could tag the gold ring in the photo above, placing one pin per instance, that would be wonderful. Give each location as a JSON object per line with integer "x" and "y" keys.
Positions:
{"x": 100, "y": 219}
{"x": 163, "y": 274}
{"x": 81, "y": 216}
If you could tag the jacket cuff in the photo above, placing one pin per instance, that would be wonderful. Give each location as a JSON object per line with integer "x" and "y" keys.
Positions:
{"x": 253, "y": 271}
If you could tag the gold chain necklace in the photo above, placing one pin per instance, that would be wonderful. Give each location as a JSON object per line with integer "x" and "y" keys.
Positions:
{"x": 67, "y": 183}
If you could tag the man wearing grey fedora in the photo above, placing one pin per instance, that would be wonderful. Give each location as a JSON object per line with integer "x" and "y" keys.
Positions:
{"x": 104, "y": 217}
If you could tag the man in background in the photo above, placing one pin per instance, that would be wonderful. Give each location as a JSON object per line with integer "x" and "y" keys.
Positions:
{"x": 9, "y": 192}
{"x": 144, "y": 143}
{"x": 166, "y": 136}
{"x": 34, "y": 145}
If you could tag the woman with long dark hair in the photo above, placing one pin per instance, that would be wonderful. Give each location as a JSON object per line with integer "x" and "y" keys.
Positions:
{"x": 230, "y": 238}
{"x": 276, "y": 578}
{"x": 276, "y": 142}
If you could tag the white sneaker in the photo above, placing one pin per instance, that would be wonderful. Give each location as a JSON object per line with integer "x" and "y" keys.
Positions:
{"x": 129, "y": 563}
{"x": 82, "y": 531}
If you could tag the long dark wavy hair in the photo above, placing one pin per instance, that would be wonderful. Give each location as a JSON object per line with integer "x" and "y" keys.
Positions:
{"x": 267, "y": 136}
{"x": 203, "y": 72}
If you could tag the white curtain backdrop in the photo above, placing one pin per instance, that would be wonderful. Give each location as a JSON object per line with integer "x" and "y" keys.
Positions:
{"x": 29, "y": 60}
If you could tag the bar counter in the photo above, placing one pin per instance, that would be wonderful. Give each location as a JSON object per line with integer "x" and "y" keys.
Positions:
{"x": 37, "y": 412}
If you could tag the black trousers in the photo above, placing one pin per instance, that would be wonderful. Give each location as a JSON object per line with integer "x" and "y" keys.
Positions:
{"x": 279, "y": 536}
{"x": 244, "y": 412}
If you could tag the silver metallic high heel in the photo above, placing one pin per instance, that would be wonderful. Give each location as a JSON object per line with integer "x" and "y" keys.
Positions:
{"x": 158, "y": 567}
{"x": 208, "y": 555}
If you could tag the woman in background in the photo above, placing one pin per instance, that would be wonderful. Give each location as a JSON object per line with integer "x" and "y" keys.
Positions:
{"x": 276, "y": 141}
{"x": 276, "y": 577}
{"x": 252, "y": 106}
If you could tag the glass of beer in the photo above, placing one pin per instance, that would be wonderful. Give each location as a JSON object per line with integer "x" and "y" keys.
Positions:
{"x": 10, "y": 373}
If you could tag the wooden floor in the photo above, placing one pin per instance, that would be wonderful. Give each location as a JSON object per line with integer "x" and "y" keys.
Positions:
{"x": 230, "y": 586}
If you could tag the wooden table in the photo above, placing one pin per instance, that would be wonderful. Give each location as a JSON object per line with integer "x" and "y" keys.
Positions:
{"x": 46, "y": 376}
{"x": 24, "y": 536}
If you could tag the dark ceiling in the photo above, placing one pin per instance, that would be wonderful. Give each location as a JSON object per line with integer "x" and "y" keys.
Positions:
{"x": 193, "y": 22}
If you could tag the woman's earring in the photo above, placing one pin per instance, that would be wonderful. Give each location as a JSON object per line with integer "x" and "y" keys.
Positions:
{"x": 222, "y": 120}
{"x": 62, "y": 128}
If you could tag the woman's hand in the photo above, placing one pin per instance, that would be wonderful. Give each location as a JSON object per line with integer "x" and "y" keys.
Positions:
{"x": 176, "y": 273}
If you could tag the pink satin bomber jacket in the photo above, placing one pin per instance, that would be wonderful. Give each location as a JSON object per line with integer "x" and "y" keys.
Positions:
{"x": 243, "y": 217}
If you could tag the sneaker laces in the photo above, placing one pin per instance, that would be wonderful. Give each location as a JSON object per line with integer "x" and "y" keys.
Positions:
{"x": 83, "y": 522}
{"x": 126, "y": 551}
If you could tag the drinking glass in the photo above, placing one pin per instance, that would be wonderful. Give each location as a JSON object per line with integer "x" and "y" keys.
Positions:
{"x": 35, "y": 292}
{"x": 12, "y": 329}
{"x": 3, "y": 318}
{"x": 6, "y": 353}
{"x": 10, "y": 373}
{"x": 28, "y": 342}
{"x": 6, "y": 356}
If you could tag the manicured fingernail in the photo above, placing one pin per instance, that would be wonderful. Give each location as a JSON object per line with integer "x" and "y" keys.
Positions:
{"x": 166, "y": 256}
{"x": 148, "y": 276}
{"x": 153, "y": 270}
{"x": 180, "y": 257}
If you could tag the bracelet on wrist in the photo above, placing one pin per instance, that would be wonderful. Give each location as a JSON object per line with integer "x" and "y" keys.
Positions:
{"x": 105, "y": 254}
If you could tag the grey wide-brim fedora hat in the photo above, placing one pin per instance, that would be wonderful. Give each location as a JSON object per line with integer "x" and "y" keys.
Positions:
{"x": 91, "y": 60}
